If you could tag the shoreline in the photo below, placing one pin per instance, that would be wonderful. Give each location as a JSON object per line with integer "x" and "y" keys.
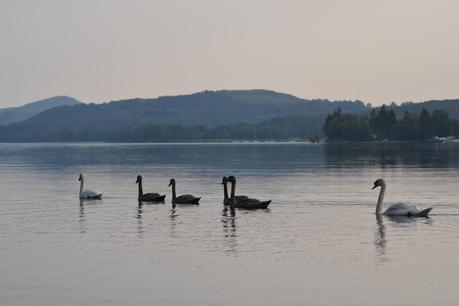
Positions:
{"x": 233, "y": 142}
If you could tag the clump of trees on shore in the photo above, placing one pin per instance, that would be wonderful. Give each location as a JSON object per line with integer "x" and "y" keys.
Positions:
{"x": 383, "y": 124}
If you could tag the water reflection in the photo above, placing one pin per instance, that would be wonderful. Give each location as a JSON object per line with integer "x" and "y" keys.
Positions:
{"x": 173, "y": 222}
{"x": 395, "y": 222}
{"x": 82, "y": 217}
{"x": 392, "y": 154}
{"x": 82, "y": 214}
{"x": 380, "y": 236}
{"x": 229, "y": 230}
{"x": 138, "y": 216}
{"x": 279, "y": 158}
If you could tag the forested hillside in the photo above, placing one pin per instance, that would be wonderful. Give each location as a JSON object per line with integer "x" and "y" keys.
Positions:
{"x": 209, "y": 109}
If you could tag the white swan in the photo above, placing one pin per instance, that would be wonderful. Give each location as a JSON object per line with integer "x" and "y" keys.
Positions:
{"x": 397, "y": 209}
{"x": 88, "y": 193}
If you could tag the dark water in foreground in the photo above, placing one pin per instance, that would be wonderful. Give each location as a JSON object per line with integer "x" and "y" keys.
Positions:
{"x": 318, "y": 244}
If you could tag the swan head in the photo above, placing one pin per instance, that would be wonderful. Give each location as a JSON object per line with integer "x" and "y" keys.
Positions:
{"x": 80, "y": 178}
{"x": 231, "y": 179}
{"x": 139, "y": 179}
{"x": 379, "y": 183}
{"x": 224, "y": 180}
{"x": 172, "y": 182}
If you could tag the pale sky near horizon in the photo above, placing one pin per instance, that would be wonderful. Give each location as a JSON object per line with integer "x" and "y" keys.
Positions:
{"x": 102, "y": 50}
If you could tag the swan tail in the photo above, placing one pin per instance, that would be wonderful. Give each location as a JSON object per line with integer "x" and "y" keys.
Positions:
{"x": 424, "y": 213}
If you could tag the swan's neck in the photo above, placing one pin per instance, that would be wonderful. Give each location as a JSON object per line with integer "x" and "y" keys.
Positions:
{"x": 225, "y": 191}
{"x": 233, "y": 193}
{"x": 174, "y": 196}
{"x": 380, "y": 199}
{"x": 140, "y": 189}
{"x": 81, "y": 185}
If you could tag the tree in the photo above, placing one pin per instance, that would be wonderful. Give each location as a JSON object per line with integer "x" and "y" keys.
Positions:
{"x": 425, "y": 121}
{"x": 383, "y": 123}
{"x": 440, "y": 123}
{"x": 350, "y": 127}
{"x": 454, "y": 127}
{"x": 408, "y": 128}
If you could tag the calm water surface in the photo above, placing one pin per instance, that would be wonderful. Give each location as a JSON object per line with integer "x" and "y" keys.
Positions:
{"x": 318, "y": 244}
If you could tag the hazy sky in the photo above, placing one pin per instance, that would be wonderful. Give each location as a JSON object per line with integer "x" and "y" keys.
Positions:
{"x": 94, "y": 50}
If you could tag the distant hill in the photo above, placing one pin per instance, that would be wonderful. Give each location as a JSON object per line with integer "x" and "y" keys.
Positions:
{"x": 205, "y": 108}
{"x": 449, "y": 106}
{"x": 21, "y": 113}
{"x": 208, "y": 108}
{"x": 207, "y": 115}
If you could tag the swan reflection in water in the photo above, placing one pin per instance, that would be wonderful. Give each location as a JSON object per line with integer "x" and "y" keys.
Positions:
{"x": 82, "y": 217}
{"x": 138, "y": 216}
{"x": 229, "y": 230}
{"x": 381, "y": 241}
{"x": 380, "y": 236}
{"x": 173, "y": 218}
{"x": 82, "y": 213}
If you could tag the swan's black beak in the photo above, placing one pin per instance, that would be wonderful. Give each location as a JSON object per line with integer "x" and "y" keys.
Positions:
{"x": 374, "y": 187}
{"x": 169, "y": 185}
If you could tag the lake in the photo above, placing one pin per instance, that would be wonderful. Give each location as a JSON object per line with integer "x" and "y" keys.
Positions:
{"x": 319, "y": 243}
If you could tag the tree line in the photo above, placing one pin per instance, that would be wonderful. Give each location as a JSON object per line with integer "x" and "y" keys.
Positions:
{"x": 383, "y": 124}
{"x": 275, "y": 129}
{"x": 379, "y": 124}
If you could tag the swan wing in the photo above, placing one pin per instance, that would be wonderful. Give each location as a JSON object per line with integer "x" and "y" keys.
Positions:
{"x": 89, "y": 193}
{"x": 153, "y": 197}
{"x": 402, "y": 209}
{"x": 246, "y": 199}
{"x": 187, "y": 199}
{"x": 241, "y": 197}
{"x": 252, "y": 204}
